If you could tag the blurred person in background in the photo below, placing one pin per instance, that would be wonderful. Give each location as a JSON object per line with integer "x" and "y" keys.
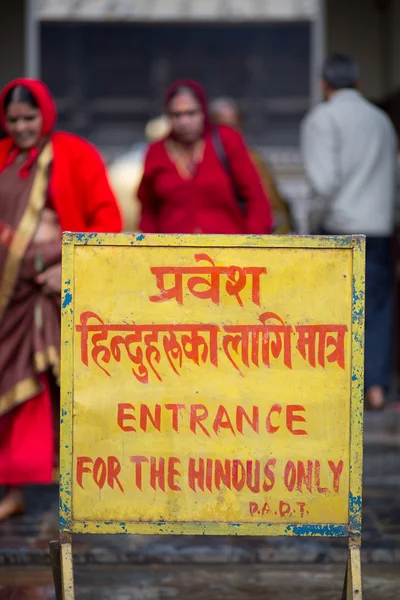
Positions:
{"x": 185, "y": 186}
{"x": 126, "y": 172}
{"x": 49, "y": 182}
{"x": 349, "y": 151}
{"x": 225, "y": 111}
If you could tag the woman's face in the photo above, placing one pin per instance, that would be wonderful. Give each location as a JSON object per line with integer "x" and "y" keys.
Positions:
{"x": 187, "y": 118}
{"x": 24, "y": 124}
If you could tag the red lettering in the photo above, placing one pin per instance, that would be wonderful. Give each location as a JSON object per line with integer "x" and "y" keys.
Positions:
{"x": 266, "y": 509}
{"x": 172, "y": 473}
{"x": 284, "y": 508}
{"x": 269, "y": 474}
{"x": 195, "y": 419}
{"x": 175, "y": 408}
{"x": 253, "y": 507}
{"x": 102, "y": 471}
{"x": 81, "y": 468}
{"x": 222, "y": 474}
{"x": 238, "y": 475}
{"x": 292, "y": 418}
{"x": 302, "y": 506}
{"x": 99, "y": 472}
{"x": 337, "y": 471}
{"x": 253, "y": 476}
{"x": 196, "y": 476}
{"x": 137, "y": 461}
{"x": 145, "y": 416}
{"x": 209, "y": 474}
{"x": 222, "y": 420}
{"x": 277, "y": 408}
{"x": 304, "y": 478}
{"x": 242, "y": 414}
{"x": 289, "y": 477}
{"x": 113, "y": 470}
{"x": 123, "y": 416}
{"x": 320, "y": 489}
{"x": 157, "y": 474}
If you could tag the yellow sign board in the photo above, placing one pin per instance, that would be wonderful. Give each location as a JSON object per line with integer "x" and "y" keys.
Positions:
{"x": 212, "y": 384}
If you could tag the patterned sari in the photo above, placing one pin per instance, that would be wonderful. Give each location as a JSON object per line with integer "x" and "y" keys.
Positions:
{"x": 29, "y": 327}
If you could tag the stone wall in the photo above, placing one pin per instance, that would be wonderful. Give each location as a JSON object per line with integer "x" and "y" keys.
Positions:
{"x": 109, "y": 78}
{"x": 12, "y": 42}
{"x": 193, "y": 10}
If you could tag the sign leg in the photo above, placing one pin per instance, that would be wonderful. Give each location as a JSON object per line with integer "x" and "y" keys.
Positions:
{"x": 55, "y": 556}
{"x": 67, "y": 567}
{"x": 352, "y": 589}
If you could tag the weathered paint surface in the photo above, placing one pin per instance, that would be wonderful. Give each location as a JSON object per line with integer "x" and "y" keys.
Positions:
{"x": 281, "y": 444}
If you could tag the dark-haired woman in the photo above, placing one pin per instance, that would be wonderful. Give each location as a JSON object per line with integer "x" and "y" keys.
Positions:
{"x": 49, "y": 182}
{"x": 187, "y": 188}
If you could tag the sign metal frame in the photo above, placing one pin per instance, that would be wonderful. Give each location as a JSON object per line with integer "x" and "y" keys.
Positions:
{"x": 61, "y": 549}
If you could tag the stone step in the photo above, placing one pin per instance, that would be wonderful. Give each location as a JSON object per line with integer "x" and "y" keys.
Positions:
{"x": 382, "y": 427}
{"x": 25, "y": 539}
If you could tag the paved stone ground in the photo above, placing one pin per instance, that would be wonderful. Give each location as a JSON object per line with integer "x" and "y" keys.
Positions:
{"x": 24, "y": 540}
{"x": 162, "y": 568}
{"x": 202, "y": 582}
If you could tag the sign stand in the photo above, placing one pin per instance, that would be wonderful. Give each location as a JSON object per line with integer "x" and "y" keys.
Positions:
{"x": 352, "y": 579}
{"x": 62, "y": 565}
{"x": 218, "y": 382}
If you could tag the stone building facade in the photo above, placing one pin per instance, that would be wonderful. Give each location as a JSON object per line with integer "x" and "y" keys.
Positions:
{"x": 154, "y": 10}
{"x": 108, "y": 63}
{"x": 117, "y": 57}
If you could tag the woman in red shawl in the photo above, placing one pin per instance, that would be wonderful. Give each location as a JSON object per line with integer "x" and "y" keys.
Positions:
{"x": 49, "y": 182}
{"x": 187, "y": 188}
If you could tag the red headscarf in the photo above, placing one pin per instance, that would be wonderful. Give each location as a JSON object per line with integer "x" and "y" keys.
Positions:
{"x": 198, "y": 91}
{"x": 47, "y": 108}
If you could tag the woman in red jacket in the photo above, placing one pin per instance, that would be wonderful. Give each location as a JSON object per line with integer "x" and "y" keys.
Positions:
{"x": 49, "y": 182}
{"x": 187, "y": 188}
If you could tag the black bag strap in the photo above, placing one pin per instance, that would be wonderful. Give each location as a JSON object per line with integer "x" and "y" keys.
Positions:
{"x": 220, "y": 150}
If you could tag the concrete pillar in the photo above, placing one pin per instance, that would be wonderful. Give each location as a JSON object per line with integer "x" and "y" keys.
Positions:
{"x": 32, "y": 39}
{"x": 19, "y": 40}
{"x": 318, "y": 50}
{"x": 354, "y": 27}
